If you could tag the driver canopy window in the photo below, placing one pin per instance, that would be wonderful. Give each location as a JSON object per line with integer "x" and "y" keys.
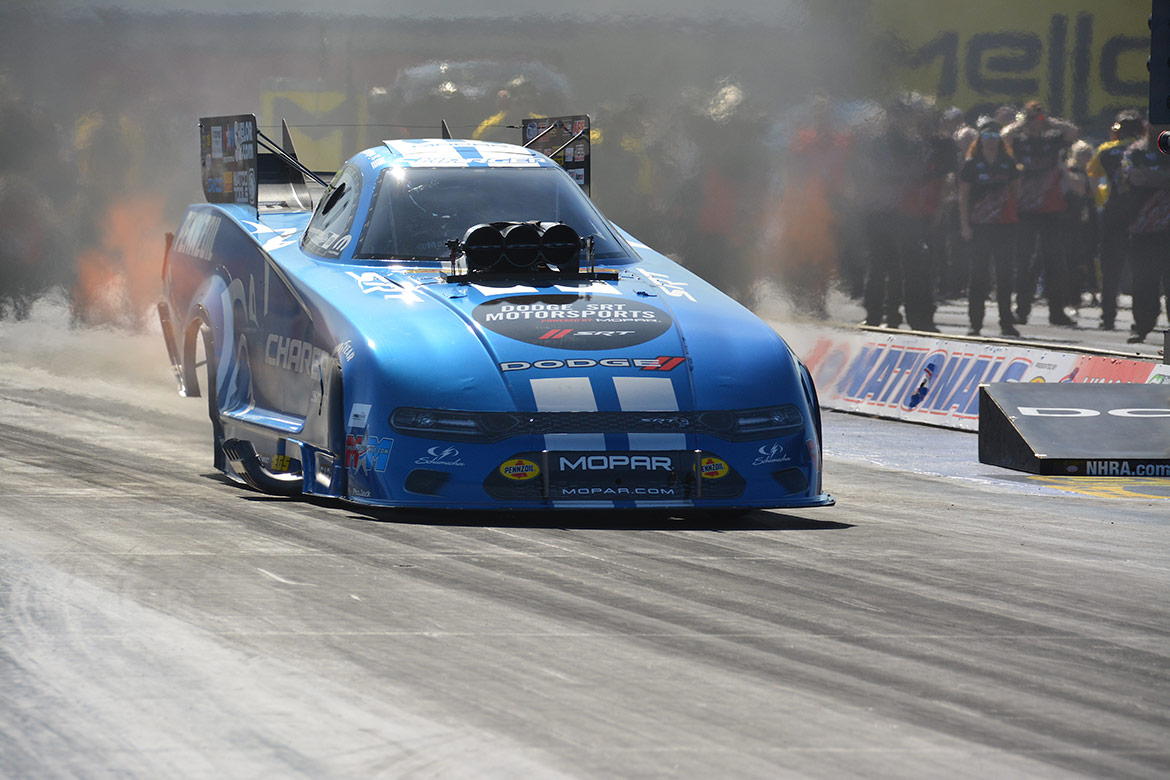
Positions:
{"x": 328, "y": 231}
{"x": 417, "y": 211}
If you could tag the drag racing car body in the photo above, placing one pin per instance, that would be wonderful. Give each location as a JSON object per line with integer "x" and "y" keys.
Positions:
{"x": 453, "y": 324}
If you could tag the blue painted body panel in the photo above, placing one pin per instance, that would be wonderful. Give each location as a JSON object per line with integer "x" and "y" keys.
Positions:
{"x": 313, "y": 356}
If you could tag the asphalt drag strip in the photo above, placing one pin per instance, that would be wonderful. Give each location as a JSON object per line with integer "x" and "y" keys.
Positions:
{"x": 945, "y": 617}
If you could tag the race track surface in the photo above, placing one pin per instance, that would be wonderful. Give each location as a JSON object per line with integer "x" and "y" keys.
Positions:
{"x": 944, "y": 619}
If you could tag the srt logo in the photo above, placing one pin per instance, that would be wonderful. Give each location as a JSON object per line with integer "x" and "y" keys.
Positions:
{"x": 666, "y": 422}
{"x": 448, "y": 456}
{"x": 560, "y": 333}
{"x": 773, "y": 454}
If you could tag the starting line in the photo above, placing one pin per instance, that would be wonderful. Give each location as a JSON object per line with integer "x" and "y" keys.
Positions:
{"x": 1109, "y": 487}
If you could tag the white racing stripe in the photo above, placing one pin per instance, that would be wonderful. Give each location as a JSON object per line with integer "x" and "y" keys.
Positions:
{"x": 567, "y": 394}
{"x": 635, "y": 394}
{"x": 649, "y": 394}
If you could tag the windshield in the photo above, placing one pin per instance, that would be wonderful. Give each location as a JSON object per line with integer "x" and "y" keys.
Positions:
{"x": 417, "y": 210}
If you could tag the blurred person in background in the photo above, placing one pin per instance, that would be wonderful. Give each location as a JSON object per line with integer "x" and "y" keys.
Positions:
{"x": 948, "y": 249}
{"x": 908, "y": 166}
{"x": 857, "y": 121}
{"x": 952, "y": 122}
{"x": 1146, "y": 173}
{"x": 1081, "y": 227}
{"x": 965, "y": 135}
{"x": 807, "y": 253}
{"x": 1038, "y": 143}
{"x": 989, "y": 183}
{"x": 1117, "y": 211}
{"x": 721, "y": 209}
{"x": 37, "y": 192}
{"x": 1006, "y": 114}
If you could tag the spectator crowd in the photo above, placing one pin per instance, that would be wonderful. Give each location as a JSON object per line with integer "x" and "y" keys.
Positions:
{"x": 946, "y": 205}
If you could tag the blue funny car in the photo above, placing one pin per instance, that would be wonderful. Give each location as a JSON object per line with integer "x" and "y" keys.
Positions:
{"x": 453, "y": 324}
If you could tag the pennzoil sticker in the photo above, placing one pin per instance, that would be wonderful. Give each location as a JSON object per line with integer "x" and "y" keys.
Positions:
{"x": 519, "y": 469}
{"x": 714, "y": 468}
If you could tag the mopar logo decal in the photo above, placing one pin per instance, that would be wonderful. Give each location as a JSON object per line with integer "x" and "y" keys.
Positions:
{"x": 592, "y": 322}
{"x": 660, "y": 363}
{"x": 620, "y": 491}
{"x": 612, "y": 462}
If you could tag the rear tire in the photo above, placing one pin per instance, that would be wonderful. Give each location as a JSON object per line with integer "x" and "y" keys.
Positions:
{"x": 205, "y": 358}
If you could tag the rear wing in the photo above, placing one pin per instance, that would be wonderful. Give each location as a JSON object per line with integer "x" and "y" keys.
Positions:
{"x": 563, "y": 138}
{"x": 240, "y": 164}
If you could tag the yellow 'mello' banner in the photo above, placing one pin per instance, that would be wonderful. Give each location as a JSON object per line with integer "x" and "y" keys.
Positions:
{"x": 1084, "y": 59}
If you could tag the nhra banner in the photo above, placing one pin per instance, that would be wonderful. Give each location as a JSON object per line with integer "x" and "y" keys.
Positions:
{"x": 935, "y": 380}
